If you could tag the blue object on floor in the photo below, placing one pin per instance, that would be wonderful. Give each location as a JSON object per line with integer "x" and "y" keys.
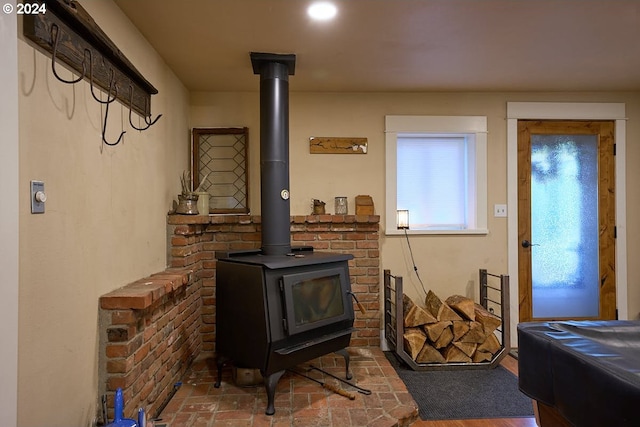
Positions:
{"x": 118, "y": 406}
{"x": 142, "y": 419}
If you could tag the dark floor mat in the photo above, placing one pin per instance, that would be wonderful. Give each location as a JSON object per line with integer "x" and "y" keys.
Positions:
{"x": 463, "y": 394}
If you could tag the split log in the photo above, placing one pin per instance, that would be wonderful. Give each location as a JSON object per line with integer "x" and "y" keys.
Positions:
{"x": 490, "y": 322}
{"x": 491, "y": 345}
{"x": 414, "y": 340}
{"x": 463, "y": 306}
{"x": 439, "y": 309}
{"x": 433, "y": 304}
{"x": 444, "y": 339}
{"x": 416, "y": 315}
{"x": 407, "y": 303}
{"x": 429, "y": 354}
{"x": 460, "y": 327}
{"x": 454, "y": 354}
{"x": 467, "y": 348}
{"x": 476, "y": 333}
{"x": 434, "y": 330}
{"x": 447, "y": 313}
{"x": 481, "y": 356}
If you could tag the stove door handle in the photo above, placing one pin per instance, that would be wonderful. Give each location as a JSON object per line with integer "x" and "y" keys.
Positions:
{"x": 360, "y": 306}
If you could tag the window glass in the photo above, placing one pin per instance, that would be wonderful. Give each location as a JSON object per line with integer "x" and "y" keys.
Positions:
{"x": 431, "y": 181}
{"x": 436, "y": 169}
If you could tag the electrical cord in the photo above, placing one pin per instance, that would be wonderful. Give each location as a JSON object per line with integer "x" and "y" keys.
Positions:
{"x": 415, "y": 268}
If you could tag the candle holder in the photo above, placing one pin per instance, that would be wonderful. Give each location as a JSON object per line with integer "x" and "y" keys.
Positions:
{"x": 341, "y": 206}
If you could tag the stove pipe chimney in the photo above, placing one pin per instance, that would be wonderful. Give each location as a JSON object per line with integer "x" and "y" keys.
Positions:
{"x": 274, "y": 70}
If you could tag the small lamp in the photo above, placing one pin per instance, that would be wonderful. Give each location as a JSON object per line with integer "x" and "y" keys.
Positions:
{"x": 403, "y": 219}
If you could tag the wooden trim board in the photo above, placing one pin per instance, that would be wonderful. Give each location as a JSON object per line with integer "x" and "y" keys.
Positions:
{"x": 337, "y": 145}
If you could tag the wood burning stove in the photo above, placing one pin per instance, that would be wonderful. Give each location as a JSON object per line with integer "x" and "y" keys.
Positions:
{"x": 274, "y": 312}
{"x": 279, "y": 306}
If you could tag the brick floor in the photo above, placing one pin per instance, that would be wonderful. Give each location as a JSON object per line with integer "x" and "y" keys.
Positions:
{"x": 298, "y": 401}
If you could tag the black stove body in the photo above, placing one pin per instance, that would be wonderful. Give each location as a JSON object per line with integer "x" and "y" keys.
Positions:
{"x": 274, "y": 312}
{"x": 279, "y": 306}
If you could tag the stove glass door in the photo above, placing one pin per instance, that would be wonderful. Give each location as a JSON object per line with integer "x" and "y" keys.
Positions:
{"x": 314, "y": 299}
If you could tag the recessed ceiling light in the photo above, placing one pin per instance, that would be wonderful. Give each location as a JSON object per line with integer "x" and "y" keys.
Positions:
{"x": 322, "y": 11}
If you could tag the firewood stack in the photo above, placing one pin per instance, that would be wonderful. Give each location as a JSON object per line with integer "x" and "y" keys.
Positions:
{"x": 455, "y": 330}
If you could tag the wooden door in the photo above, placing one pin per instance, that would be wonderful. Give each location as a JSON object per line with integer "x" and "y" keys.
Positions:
{"x": 566, "y": 220}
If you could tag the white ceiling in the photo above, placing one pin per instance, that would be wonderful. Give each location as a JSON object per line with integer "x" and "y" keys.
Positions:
{"x": 401, "y": 45}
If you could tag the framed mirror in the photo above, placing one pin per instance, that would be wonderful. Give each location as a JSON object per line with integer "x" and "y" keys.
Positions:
{"x": 221, "y": 155}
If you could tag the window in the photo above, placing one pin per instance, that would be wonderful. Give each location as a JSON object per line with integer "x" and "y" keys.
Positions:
{"x": 436, "y": 169}
{"x": 220, "y": 155}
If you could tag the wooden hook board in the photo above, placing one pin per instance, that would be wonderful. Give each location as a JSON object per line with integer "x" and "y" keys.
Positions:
{"x": 337, "y": 145}
{"x": 77, "y": 32}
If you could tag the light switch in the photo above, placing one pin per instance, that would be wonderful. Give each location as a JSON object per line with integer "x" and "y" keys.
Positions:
{"x": 499, "y": 210}
{"x": 38, "y": 197}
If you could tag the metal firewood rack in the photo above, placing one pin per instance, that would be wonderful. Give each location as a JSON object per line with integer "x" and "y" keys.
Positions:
{"x": 494, "y": 297}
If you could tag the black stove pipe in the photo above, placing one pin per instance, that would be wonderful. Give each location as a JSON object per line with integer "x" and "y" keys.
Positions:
{"x": 274, "y": 70}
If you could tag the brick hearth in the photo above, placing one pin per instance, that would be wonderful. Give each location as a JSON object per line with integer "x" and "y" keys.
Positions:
{"x": 152, "y": 329}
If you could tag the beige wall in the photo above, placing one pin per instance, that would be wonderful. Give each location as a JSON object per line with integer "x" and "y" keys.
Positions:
{"x": 105, "y": 220}
{"x": 446, "y": 264}
{"x": 9, "y": 220}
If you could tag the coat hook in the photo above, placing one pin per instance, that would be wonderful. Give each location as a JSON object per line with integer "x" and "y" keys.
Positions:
{"x": 104, "y": 129}
{"x": 147, "y": 120}
{"x": 53, "y": 58}
{"x": 111, "y": 82}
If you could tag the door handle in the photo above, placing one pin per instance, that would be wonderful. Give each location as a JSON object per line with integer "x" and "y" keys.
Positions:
{"x": 527, "y": 244}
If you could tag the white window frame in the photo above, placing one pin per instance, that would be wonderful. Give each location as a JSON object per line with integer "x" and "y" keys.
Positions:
{"x": 476, "y": 125}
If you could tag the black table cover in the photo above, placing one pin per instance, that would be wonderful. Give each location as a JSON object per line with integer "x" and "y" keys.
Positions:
{"x": 589, "y": 371}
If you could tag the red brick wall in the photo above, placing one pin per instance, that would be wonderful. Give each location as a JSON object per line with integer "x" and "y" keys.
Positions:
{"x": 195, "y": 239}
{"x": 150, "y": 333}
{"x": 153, "y": 328}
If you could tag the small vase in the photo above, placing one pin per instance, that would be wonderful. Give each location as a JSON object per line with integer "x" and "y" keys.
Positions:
{"x": 187, "y": 205}
{"x": 203, "y": 202}
{"x": 318, "y": 207}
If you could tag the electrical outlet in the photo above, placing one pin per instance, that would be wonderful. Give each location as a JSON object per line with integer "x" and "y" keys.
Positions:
{"x": 500, "y": 210}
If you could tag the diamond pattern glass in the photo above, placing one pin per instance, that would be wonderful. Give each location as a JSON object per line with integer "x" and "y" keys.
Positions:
{"x": 223, "y": 157}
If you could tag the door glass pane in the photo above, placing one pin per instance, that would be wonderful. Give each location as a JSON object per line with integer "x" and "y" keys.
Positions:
{"x": 564, "y": 226}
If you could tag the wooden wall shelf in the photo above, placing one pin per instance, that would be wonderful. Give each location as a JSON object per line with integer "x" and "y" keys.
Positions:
{"x": 69, "y": 31}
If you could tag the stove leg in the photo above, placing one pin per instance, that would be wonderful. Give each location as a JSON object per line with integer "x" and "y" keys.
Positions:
{"x": 271, "y": 381}
{"x": 220, "y": 362}
{"x": 344, "y": 353}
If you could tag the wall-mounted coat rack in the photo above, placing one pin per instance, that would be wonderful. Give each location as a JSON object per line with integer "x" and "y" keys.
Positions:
{"x": 68, "y": 33}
